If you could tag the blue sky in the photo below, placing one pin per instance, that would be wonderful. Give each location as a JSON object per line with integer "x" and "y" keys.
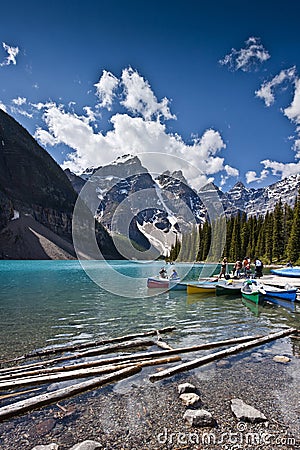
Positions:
{"x": 215, "y": 83}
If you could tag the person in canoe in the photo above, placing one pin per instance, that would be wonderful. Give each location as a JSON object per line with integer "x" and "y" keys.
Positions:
{"x": 163, "y": 273}
{"x": 174, "y": 275}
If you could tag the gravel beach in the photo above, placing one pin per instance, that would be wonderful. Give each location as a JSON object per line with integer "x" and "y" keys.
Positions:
{"x": 138, "y": 415}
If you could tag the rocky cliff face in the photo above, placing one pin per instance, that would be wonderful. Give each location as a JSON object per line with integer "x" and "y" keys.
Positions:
{"x": 32, "y": 180}
{"x": 32, "y": 184}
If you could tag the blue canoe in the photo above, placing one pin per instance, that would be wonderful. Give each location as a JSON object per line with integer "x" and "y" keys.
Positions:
{"x": 293, "y": 272}
{"x": 282, "y": 294}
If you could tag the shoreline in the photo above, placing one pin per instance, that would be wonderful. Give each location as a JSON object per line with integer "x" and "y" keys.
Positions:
{"x": 136, "y": 414}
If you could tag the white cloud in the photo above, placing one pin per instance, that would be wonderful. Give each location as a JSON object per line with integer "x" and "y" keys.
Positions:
{"x": 22, "y": 112}
{"x": 231, "y": 171}
{"x": 3, "y": 107}
{"x": 266, "y": 91}
{"x": 105, "y": 89}
{"x": 133, "y": 135}
{"x": 19, "y": 101}
{"x": 45, "y": 138}
{"x": 296, "y": 148}
{"x": 140, "y": 99}
{"x": 39, "y": 106}
{"x": 292, "y": 112}
{"x": 246, "y": 58}
{"x": 12, "y": 53}
{"x": 251, "y": 176}
{"x": 282, "y": 169}
{"x": 142, "y": 132}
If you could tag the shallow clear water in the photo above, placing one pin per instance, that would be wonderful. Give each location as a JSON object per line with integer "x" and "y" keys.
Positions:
{"x": 45, "y": 303}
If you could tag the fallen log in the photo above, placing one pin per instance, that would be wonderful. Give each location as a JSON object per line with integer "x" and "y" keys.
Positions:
{"x": 163, "y": 345}
{"x": 75, "y": 374}
{"x": 135, "y": 357}
{"x": 18, "y": 394}
{"x": 98, "y": 351}
{"x": 214, "y": 356}
{"x": 51, "y": 397}
{"x": 71, "y": 347}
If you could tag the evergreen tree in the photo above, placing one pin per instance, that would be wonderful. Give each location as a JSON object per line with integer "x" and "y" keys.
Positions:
{"x": 235, "y": 244}
{"x": 229, "y": 229}
{"x": 278, "y": 233}
{"x": 268, "y": 230}
{"x": 287, "y": 226}
{"x": 260, "y": 242}
{"x": 293, "y": 247}
{"x": 206, "y": 240}
{"x": 244, "y": 234}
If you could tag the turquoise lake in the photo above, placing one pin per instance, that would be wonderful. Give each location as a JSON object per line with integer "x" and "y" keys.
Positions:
{"x": 47, "y": 303}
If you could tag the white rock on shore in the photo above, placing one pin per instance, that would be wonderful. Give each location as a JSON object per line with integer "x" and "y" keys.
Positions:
{"x": 246, "y": 413}
{"x": 199, "y": 418}
{"x": 85, "y": 445}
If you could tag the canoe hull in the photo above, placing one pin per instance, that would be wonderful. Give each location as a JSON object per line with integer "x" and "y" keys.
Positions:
{"x": 287, "y": 295}
{"x": 177, "y": 286}
{"x": 291, "y": 272}
{"x": 228, "y": 290}
{"x": 158, "y": 283}
{"x": 201, "y": 289}
{"x": 255, "y": 297}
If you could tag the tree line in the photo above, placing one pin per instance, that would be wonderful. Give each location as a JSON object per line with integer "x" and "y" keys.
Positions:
{"x": 274, "y": 237}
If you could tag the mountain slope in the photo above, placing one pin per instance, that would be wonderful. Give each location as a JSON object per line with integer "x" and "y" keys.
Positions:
{"x": 34, "y": 187}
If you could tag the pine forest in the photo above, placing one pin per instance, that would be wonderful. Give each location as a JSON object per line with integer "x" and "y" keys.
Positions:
{"x": 273, "y": 238}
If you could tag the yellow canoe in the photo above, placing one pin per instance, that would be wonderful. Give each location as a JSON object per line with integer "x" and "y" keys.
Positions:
{"x": 206, "y": 288}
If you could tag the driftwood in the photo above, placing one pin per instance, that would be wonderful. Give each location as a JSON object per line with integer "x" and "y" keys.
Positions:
{"x": 163, "y": 345}
{"x": 83, "y": 345}
{"x": 214, "y": 356}
{"x": 93, "y": 352}
{"x": 51, "y": 397}
{"x": 117, "y": 359}
{"x": 18, "y": 394}
{"x": 82, "y": 373}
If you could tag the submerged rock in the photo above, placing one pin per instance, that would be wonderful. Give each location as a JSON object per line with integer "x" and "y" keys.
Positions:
{"x": 186, "y": 387}
{"x": 87, "y": 445}
{"x": 42, "y": 428}
{"x": 199, "y": 418}
{"x": 281, "y": 359}
{"x": 246, "y": 413}
{"x": 189, "y": 398}
{"x": 46, "y": 447}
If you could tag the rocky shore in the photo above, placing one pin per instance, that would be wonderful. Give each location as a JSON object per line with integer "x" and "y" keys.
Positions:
{"x": 138, "y": 415}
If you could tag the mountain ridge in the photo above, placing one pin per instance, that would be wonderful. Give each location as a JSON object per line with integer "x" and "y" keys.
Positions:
{"x": 35, "y": 193}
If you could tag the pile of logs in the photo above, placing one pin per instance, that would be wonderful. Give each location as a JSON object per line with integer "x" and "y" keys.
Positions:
{"x": 84, "y": 362}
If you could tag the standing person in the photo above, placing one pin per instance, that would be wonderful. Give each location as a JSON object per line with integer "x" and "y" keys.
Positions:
{"x": 223, "y": 268}
{"x": 258, "y": 268}
{"x": 245, "y": 264}
{"x": 237, "y": 268}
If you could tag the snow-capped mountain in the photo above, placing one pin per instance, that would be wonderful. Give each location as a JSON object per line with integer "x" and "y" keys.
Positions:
{"x": 159, "y": 208}
{"x": 259, "y": 201}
